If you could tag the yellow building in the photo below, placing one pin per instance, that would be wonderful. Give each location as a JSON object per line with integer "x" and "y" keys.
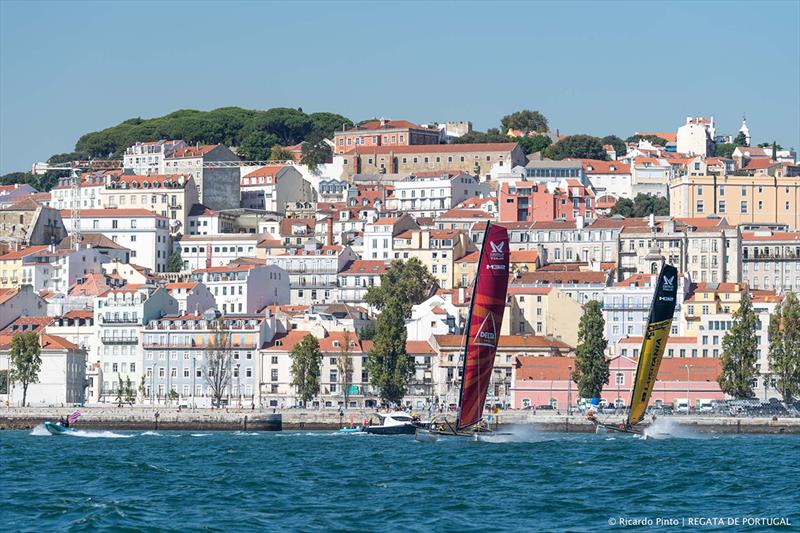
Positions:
{"x": 437, "y": 249}
{"x": 708, "y": 299}
{"x": 11, "y": 266}
{"x": 542, "y": 311}
{"x": 769, "y": 197}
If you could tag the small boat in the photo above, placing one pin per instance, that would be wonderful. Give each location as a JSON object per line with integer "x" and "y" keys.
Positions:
{"x": 350, "y": 430}
{"x": 57, "y": 429}
{"x": 394, "y": 424}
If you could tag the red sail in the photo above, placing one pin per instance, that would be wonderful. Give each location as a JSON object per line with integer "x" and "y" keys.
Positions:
{"x": 483, "y": 324}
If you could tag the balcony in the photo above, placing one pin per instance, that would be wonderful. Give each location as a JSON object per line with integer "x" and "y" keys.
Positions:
{"x": 119, "y": 340}
{"x": 123, "y": 321}
{"x": 625, "y": 307}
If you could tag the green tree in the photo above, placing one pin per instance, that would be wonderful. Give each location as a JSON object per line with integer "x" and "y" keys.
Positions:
{"x": 306, "y": 368}
{"x": 591, "y": 364}
{"x": 175, "y": 261}
{"x": 525, "y": 121}
{"x": 653, "y": 139}
{"x": 3, "y": 381}
{"x": 120, "y": 391}
{"x": 367, "y": 332}
{"x": 641, "y": 206}
{"x": 624, "y": 207}
{"x": 740, "y": 140}
{"x": 130, "y": 393}
{"x": 577, "y": 146}
{"x": 724, "y": 150}
{"x": 142, "y": 388}
{"x": 739, "y": 347}
{"x": 784, "y": 346}
{"x": 314, "y": 152}
{"x": 389, "y": 366}
{"x": 531, "y": 145}
{"x": 26, "y": 360}
{"x": 769, "y": 145}
{"x": 406, "y": 283}
{"x": 477, "y": 137}
{"x": 326, "y": 124}
{"x": 280, "y": 153}
{"x": 619, "y": 145}
{"x": 257, "y": 146}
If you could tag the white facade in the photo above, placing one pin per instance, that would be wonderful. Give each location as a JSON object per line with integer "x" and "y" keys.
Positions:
{"x": 62, "y": 376}
{"x": 313, "y": 272}
{"x": 119, "y": 318}
{"x": 245, "y": 289}
{"x": 146, "y": 158}
{"x": 696, "y": 136}
{"x": 57, "y": 270}
{"x": 434, "y": 316}
{"x": 192, "y": 296}
{"x": 204, "y": 251}
{"x": 271, "y": 187}
{"x": 78, "y": 328}
{"x": 145, "y": 233}
{"x": 432, "y": 195}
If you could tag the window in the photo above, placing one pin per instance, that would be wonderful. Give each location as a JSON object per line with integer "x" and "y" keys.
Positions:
{"x": 722, "y": 206}
{"x": 743, "y": 207}
{"x": 700, "y": 206}
{"x": 620, "y": 380}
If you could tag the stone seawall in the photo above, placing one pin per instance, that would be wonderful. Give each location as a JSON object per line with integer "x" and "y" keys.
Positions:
{"x": 144, "y": 418}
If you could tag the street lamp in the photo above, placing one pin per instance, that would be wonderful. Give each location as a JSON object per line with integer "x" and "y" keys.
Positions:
{"x": 239, "y": 385}
{"x": 153, "y": 381}
{"x": 569, "y": 390}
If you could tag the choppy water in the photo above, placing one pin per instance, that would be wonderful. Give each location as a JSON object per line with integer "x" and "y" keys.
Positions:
{"x": 188, "y": 481}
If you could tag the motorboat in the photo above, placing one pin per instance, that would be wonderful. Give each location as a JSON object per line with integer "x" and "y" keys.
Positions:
{"x": 394, "y": 424}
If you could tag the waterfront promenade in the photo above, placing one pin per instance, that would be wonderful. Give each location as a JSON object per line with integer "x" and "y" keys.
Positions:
{"x": 170, "y": 417}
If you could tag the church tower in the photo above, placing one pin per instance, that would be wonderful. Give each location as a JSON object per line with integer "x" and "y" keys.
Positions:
{"x": 744, "y": 129}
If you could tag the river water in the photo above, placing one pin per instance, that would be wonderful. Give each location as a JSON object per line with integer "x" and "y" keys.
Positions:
{"x": 322, "y": 481}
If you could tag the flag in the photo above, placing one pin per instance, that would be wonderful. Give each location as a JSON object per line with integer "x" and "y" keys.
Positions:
{"x": 73, "y": 417}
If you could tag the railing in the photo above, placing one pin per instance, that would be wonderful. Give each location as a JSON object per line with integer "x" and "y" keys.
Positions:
{"x": 131, "y": 321}
{"x": 625, "y": 306}
{"x": 119, "y": 340}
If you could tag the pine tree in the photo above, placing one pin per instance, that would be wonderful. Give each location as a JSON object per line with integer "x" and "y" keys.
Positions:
{"x": 784, "y": 346}
{"x": 389, "y": 366}
{"x": 306, "y": 367}
{"x": 739, "y": 347}
{"x": 591, "y": 364}
{"x": 174, "y": 261}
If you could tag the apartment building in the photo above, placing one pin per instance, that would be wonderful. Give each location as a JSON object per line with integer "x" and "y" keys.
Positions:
{"x": 170, "y": 195}
{"x": 55, "y": 270}
{"x": 271, "y": 187}
{"x": 580, "y": 286}
{"x": 245, "y": 289}
{"x": 313, "y": 271}
{"x": 120, "y": 316}
{"x": 357, "y": 277}
{"x": 176, "y": 352}
{"x": 62, "y": 196}
{"x": 144, "y": 232}
{"x": 146, "y": 158}
{"x": 770, "y": 260}
{"x": 27, "y": 223}
{"x": 760, "y": 200}
{"x": 429, "y": 194}
{"x": 379, "y": 236}
{"x": 192, "y": 296}
{"x": 77, "y": 327}
{"x": 436, "y": 249}
{"x": 526, "y": 200}
{"x": 542, "y": 311}
{"x": 611, "y": 178}
{"x": 207, "y": 251}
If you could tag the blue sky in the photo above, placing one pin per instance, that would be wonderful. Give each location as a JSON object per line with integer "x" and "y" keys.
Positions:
{"x": 597, "y": 68}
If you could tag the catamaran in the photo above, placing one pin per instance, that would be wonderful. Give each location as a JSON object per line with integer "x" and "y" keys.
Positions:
{"x": 655, "y": 341}
{"x": 482, "y": 334}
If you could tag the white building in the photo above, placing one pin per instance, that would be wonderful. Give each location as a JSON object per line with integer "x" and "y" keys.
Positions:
{"x": 357, "y": 277}
{"x": 77, "y": 327}
{"x": 609, "y": 177}
{"x": 89, "y": 193}
{"x": 205, "y": 251}
{"x": 271, "y": 187}
{"x": 434, "y": 316}
{"x": 119, "y": 317}
{"x": 313, "y": 271}
{"x": 146, "y": 158}
{"x": 217, "y": 182}
{"x": 145, "y": 233}
{"x": 192, "y": 296}
{"x": 696, "y": 137}
{"x": 57, "y": 270}
{"x": 61, "y": 378}
{"x": 429, "y": 194}
{"x": 245, "y": 289}
{"x": 379, "y": 236}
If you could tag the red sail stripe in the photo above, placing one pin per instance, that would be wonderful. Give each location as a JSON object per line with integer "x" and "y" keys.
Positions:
{"x": 486, "y": 318}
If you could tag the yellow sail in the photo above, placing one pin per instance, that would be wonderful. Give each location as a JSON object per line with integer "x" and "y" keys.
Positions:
{"x": 654, "y": 342}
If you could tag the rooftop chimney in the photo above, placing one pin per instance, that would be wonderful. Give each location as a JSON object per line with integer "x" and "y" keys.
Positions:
{"x": 579, "y": 222}
{"x": 330, "y": 231}
{"x": 652, "y": 222}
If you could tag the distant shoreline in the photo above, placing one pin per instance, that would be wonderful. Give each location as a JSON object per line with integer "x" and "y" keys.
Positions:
{"x": 169, "y": 418}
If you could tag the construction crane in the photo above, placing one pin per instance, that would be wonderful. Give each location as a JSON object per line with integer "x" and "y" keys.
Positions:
{"x": 98, "y": 165}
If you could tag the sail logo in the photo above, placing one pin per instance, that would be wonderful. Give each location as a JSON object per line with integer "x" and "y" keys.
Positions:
{"x": 487, "y": 332}
{"x": 498, "y": 252}
{"x": 669, "y": 284}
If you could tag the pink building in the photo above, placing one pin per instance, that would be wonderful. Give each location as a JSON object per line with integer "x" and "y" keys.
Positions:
{"x": 530, "y": 201}
{"x": 542, "y": 381}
